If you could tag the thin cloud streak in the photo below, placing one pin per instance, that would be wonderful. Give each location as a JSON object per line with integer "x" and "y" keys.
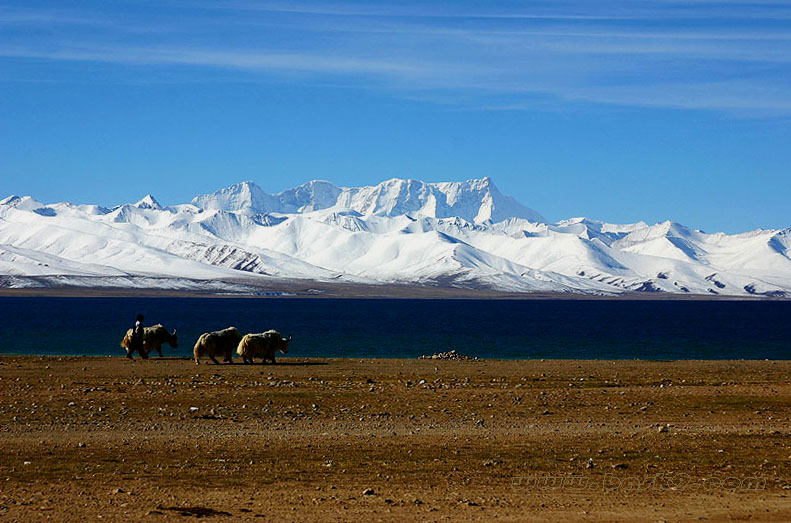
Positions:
{"x": 34, "y": 17}
{"x": 47, "y": 19}
{"x": 348, "y": 10}
{"x": 143, "y": 56}
{"x": 557, "y": 30}
{"x": 619, "y": 10}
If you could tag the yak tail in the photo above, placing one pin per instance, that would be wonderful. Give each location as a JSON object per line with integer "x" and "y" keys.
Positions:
{"x": 242, "y": 347}
{"x": 200, "y": 345}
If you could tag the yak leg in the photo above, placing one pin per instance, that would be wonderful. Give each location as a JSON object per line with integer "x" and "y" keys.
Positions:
{"x": 214, "y": 360}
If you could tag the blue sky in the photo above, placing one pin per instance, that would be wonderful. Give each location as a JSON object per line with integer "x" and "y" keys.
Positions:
{"x": 616, "y": 110}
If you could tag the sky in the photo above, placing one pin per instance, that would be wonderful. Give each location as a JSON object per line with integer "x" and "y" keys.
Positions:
{"x": 618, "y": 110}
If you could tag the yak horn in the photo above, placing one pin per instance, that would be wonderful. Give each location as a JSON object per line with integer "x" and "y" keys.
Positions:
{"x": 289, "y": 339}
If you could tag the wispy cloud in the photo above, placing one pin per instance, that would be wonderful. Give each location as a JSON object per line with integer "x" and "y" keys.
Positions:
{"x": 657, "y": 53}
{"x": 141, "y": 56}
{"x": 370, "y": 10}
{"x": 542, "y": 10}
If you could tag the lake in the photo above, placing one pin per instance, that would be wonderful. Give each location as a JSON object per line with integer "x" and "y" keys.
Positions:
{"x": 391, "y": 328}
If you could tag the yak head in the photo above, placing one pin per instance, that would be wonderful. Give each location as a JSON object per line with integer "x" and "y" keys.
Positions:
{"x": 174, "y": 342}
{"x": 284, "y": 344}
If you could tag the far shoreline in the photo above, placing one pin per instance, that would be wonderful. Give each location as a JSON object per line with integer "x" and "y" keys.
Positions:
{"x": 393, "y": 292}
{"x": 309, "y": 361}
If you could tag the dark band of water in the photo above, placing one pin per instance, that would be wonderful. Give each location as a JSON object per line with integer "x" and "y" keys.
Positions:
{"x": 408, "y": 328}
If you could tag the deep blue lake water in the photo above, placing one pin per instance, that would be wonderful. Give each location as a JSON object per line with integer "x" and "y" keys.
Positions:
{"x": 381, "y": 328}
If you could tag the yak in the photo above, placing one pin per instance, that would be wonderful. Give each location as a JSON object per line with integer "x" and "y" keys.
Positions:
{"x": 263, "y": 346}
{"x": 153, "y": 338}
{"x": 217, "y": 343}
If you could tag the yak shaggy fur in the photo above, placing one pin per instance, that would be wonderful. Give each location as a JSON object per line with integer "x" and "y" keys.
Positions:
{"x": 262, "y": 345}
{"x": 216, "y": 344}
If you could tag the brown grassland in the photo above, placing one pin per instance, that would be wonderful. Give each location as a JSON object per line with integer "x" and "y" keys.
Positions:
{"x": 337, "y": 439}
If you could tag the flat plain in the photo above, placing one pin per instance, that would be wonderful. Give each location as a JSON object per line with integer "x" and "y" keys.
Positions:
{"x": 391, "y": 439}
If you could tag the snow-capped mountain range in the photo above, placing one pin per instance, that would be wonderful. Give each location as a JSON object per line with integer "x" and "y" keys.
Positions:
{"x": 408, "y": 232}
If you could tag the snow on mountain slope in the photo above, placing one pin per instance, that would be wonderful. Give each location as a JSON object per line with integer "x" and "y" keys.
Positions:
{"x": 454, "y": 234}
{"x": 17, "y": 261}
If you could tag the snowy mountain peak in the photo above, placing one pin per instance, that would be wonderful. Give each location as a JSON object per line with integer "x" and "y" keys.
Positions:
{"x": 148, "y": 202}
{"x": 481, "y": 184}
{"x": 493, "y": 206}
{"x": 311, "y": 196}
{"x": 23, "y": 203}
{"x": 9, "y": 200}
{"x": 476, "y": 200}
{"x": 244, "y": 196}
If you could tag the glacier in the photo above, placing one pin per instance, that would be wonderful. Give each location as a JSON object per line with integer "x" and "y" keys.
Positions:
{"x": 450, "y": 235}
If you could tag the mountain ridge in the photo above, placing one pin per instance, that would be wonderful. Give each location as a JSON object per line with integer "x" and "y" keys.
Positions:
{"x": 463, "y": 235}
{"x": 475, "y": 200}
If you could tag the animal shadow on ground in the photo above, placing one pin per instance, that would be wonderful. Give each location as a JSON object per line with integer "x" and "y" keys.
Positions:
{"x": 298, "y": 363}
{"x": 199, "y": 512}
{"x": 280, "y": 363}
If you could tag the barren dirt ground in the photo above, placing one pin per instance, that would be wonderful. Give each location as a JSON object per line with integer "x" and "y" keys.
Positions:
{"x": 367, "y": 440}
